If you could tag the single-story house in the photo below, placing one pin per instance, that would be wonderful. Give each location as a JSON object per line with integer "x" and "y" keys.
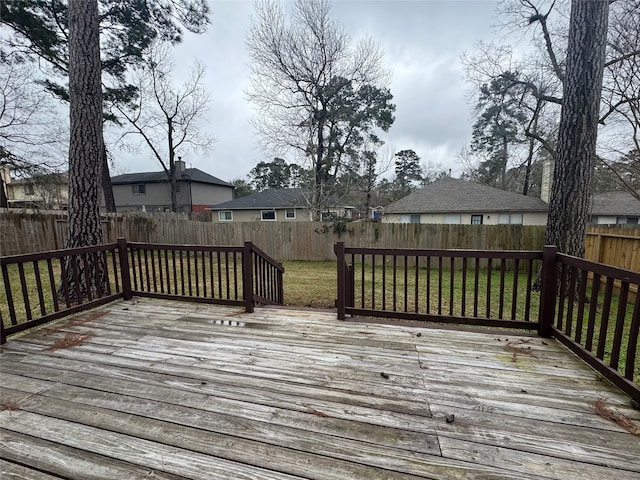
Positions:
{"x": 615, "y": 208}
{"x": 454, "y": 201}
{"x": 272, "y": 205}
{"x": 151, "y": 192}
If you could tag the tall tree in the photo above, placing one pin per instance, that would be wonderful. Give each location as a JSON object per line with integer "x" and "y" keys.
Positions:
{"x": 127, "y": 28}
{"x": 408, "y": 172}
{"x": 576, "y": 149}
{"x": 499, "y": 118}
{"x": 167, "y": 118}
{"x": 85, "y": 144}
{"x": 274, "y": 174}
{"x": 312, "y": 88}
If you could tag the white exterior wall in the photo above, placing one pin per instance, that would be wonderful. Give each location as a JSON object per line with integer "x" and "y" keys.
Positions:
{"x": 302, "y": 215}
{"x": 530, "y": 218}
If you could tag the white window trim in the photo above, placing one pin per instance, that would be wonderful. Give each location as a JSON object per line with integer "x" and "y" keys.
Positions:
{"x": 275, "y": 216}
{"x": 225, "y": 219}
{"x": 287, "y": 217}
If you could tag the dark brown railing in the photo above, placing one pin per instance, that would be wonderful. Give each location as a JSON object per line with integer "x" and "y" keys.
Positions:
{"x": 595, "y": 312}
{"x": 37, "y": 287}
{"x": 491, "y": 288}
{"x": 593, "y": 309}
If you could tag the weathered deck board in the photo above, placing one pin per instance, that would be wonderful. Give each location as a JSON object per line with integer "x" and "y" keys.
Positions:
{"x": 173, "y": 390}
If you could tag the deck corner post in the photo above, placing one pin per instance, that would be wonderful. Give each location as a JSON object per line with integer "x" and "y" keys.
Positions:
{"x": 123, "y": 256}
{"x": 548, "y": 289}
{"x": 341, "y": 300}
{"x": 247, "y": 276}
{"x": 3, "y": 335}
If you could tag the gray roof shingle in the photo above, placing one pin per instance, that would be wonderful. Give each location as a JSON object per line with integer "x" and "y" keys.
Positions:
{"x": 460, "y": 196}
{"x": 270, "y": 198}
{"x": 615, "y": 204}
{"x": 189, "y": 174}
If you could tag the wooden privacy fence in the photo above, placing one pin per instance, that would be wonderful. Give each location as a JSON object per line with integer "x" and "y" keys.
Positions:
{"x": 495, "y": 288}
{"x": 36, "y": 290}
{"x": 309, "y": 241}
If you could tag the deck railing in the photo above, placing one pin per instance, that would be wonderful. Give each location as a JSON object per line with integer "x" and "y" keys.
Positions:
{"x": 491, "y": 288}
{"x": 42, "y": 287}
{"x": 596, "y": 313}
{"x": 593, "y": 309}
{"x": 37, "y": 288}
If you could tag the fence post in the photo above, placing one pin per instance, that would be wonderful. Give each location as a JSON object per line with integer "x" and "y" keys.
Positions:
{"x": 340, "y": 301}
{"x": 247, "y": 276}
{"x": 123, "y": 256}
{"x": 548, "y": 291}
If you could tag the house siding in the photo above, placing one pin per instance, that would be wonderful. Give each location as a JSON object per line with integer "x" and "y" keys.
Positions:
{"x": 302, "y": 215}
{"x": 488, "y": 218}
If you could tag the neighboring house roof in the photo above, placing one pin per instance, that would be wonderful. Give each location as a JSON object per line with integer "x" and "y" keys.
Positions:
{"x": 270, "y": 198}
{"x": 460, "y": 196}
{"x": 189, "y": 174}
{"x": 61, "y": 178}
{"x": 615, "y": 204}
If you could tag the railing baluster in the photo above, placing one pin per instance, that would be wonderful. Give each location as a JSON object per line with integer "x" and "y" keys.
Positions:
{"x": 582, "y": 295}
{"x": 416, "y": 294}
{"x": 452, "y": 269}
{"x": 502, "y": 278}
{"x": 362, "y": 290}
{"x": 406, "y": 293}
{"x": 563, "y": 294}
{"x": 235, "y": 276}
{"x": 36, "y": 272}
{"x": 175, "y": 271}
{"x": 181, "y": 260}
{"x": 489, "y": 273}
{"x": 440, "y": 285}
{"x": 132, "y": 267}
{"x": 65, "y": 282}
{"x": 52, "y": 286}
{"x": 395, "y": 282}
{"x": 593, "y": 308}
{"x": 604, "y": 320}
{"x": 632, "y": 344}
{"x": 226, "y": 272}
{"x": 568, "y": 325}
{"x": 619, "y": 328}
{"x": 114, "y": 265}
{"x": 464, "y": 287}
{"x": 476, "y": 286}
{"x": 9, "y": 294}
{"x": 514, "y": 296}
{"x": 373, "y": 282}
{"x": 146, "y": 268}
{"x": 220, "y": 275}
{"x": 25, "y": 291}
{"x": 384, "y": 282}
{"x": 428, "y": 285}
{"x": 527, "y": 302}
{"x": 153, "y": 270}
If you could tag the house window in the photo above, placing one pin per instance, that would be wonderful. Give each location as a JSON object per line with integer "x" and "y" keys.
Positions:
{"x": 510, "y": 219}
{"x": 632, "y": 220}
{"x": 226, "y": 216}
{"x": 453, "y": 218}
{"x": 476, "y": 219}
{"x": 290, "y": 213}
{"x": 138, "y": 189}
{"x": 414, "y": 219}
{"x": 268, "y": 215}
{"x": 28, "y": 189}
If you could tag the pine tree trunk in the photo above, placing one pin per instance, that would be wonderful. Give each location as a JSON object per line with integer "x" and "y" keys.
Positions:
{"x": 576, "y": 148}
{"x": 86, "y": 143}
{"x": 4, "y": 201}
{"x": 107, "y": 189}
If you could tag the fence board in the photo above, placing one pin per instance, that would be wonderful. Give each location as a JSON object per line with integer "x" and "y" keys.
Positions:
{"x": 33, "y": 232}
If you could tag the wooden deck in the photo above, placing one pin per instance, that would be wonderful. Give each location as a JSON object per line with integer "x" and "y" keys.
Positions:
{"x": 167, "y": 390}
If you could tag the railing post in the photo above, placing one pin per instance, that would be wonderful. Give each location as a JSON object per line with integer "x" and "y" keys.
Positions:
{"x": 123, "y": 256}
{"x": 548, "y": 291}
{"x": 341, "y": 300}
{"x": 247, "y": 276}
{"x": 280, "y": 278}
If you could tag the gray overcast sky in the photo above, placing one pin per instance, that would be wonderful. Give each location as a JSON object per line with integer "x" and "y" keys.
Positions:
{"x": 422, "y": 41}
